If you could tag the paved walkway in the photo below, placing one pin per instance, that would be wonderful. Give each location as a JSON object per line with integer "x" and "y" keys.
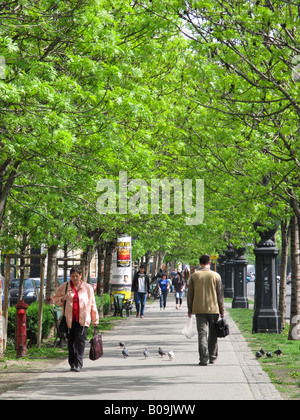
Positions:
{"x": 236, "y": 375}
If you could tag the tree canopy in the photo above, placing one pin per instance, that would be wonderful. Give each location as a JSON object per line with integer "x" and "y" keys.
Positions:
{"x": 166, "y": 89}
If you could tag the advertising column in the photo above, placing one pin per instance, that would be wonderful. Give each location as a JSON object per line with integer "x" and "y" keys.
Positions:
{"x": 122, "y": 272}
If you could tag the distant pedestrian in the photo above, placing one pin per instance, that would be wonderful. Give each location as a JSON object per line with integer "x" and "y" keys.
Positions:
{"x": 172, "y": 279}
{"x": 81, "y": 310}
{"x": 186, "y": 276}
{"x": 141, "y": 288}
{"x": 164, "y": 285}
{"x": 205, "y": 299}
{"x": 178, "y": 290}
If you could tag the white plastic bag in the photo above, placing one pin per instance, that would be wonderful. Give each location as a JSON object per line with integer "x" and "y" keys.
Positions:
{"x": 188, "y": 329}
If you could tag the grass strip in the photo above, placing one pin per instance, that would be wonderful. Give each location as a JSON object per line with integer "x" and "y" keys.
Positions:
{"x": 284, "y": 370}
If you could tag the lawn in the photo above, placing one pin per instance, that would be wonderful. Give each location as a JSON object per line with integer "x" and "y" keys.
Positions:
{"x": 284, "y": 371}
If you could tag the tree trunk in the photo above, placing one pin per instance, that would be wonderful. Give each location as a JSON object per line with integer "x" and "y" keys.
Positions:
{"x": 154, "y": 265}
{"x": 161, "y": 256}
{"x": 51, "y": 273}
{"x": 21, "y": 279}
{"x": 294, "y": 331}
{"x": 147, "y": 262}
{"x": 284, "y": 257}
{"x": 109, "y": 249}
{"x": 101, "y": 252}
{"x": 87, "y": 256}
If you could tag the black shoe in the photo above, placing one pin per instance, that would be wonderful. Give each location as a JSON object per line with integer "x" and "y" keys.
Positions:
{"x": 202, "y": 364}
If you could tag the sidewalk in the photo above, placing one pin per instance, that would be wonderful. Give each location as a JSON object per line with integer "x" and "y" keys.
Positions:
{"x": 236, "y": 375}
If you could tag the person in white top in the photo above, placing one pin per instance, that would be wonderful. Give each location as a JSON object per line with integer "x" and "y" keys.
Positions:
{"x": 141, "y": 288}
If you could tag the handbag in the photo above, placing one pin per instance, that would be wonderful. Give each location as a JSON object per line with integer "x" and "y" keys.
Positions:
{"x": 222, "y": 328}
{"x": 62, "y": 327}
{"x": 96, "y": 348}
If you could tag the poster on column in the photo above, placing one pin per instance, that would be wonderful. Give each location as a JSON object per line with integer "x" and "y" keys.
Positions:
{"x": 122, "y": 273}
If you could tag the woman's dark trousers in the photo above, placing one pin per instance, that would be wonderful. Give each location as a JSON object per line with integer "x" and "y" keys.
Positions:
{"x": 76, "y": 344}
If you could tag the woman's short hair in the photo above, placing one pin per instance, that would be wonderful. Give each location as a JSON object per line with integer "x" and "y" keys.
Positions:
{"x": 76, "y": 269}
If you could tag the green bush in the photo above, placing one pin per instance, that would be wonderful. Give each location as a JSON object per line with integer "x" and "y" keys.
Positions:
{"x": 11, "y": 326}
{"x": 106, "y": 303}
{"x": 32, "y": 319}
{"x": 31, "y": 322}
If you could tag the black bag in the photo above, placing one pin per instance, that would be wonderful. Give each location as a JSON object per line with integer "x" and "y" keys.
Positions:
{"x": 62, "y": 327}
{"x": 222, "y": 328}
{"x": 96, "y": 349}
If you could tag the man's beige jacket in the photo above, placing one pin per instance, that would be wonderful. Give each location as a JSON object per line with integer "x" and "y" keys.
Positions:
{"x": 205, "y": 293}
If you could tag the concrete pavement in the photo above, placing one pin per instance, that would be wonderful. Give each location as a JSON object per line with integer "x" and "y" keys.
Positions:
{"x": 236, "y": 375}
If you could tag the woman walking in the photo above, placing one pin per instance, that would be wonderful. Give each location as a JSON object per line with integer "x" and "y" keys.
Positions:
{"x": 178, "y": 290}
{"x": 164, "y": 286}
{"x": 80, "y": 311}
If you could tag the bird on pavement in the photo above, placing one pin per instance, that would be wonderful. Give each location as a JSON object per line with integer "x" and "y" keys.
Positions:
{"x": 258, "y": 354}
{"x": 171, "y": 355}
{"x": 278, "y": 352}
{"x": 262, "y": 351}
{"x": 146, "y": 353}
{"x": 125, "y": 352}
{"x": 121, "y": 344}
{"x": 161, "y": 352}
{"x": 269, "y": 354}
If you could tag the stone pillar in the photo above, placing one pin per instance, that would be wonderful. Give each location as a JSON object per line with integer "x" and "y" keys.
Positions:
{"x": 229, "y": 291}
{"x": 240, "y": 299}
{"x": 266, "y": 318}
{"x": 221, "y": 268}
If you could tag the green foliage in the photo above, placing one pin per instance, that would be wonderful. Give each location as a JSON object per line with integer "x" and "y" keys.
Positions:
{"x": 105, "y": 301}
{"x": 31, "y": 322}
{"x": 94, "y": 88}
{"x": 11, "y": 324}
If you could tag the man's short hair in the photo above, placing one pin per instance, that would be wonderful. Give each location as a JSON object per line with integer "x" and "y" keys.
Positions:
{"x": 204, "y": 259}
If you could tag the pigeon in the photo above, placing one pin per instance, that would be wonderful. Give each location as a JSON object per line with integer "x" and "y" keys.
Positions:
{"x": 171, "y": 355}
{"x": 258, "y": 354}
{"x": 269, "y": 354}
{"x": 262, "y": 351}
{"x": 161, "y": 352}
{"x": 125, "y": 352}
{"x": 121, "y": 344}
{"x": 278, "y": 352}
{"x": 146, "y": 353}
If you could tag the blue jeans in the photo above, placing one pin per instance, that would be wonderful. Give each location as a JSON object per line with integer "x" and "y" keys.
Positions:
{"x": 140, "y": 302}
{"x": 163, "y": 298}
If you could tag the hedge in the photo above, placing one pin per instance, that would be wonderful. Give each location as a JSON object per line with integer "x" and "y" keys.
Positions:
{"x": 32, "y": 319}
{"x": 31, "y": 322}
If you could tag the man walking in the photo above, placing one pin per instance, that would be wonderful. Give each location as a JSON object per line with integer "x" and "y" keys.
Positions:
{"x": 205, "y": 299}
{"x": 141, "y": 288}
